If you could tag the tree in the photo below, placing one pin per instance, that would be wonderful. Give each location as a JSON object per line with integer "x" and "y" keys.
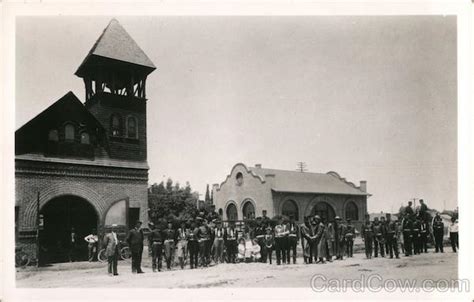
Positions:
{"x": 171, "y": 201}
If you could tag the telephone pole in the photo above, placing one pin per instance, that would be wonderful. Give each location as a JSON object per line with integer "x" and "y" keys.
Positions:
{"x": 301, "y": 167}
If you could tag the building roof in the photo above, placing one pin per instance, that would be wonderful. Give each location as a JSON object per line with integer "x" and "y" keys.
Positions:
{"x": 307, "y": 182}
{"x": 115, "y": 43}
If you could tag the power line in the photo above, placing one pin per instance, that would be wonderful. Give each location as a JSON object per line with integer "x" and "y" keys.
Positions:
{"x": 301, "y": 166}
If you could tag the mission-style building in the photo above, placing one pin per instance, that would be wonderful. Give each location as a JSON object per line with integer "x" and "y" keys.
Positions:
{"x": 247, "y": 191}
{"x": 85, "y": 164}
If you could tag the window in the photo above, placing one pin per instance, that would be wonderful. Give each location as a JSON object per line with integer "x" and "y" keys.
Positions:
{"x": 352, "y": 212}
{"x": 85, "y": 138}
{"x": 69, "y": 132}
{"x": 239, "y": 178}
{"x": 290, "y": 209}
{"x": 116, "y": 125}
{"x": 248, "y": 210}
{"x": 53, "y": 135}
{"x": 131, "y": 127}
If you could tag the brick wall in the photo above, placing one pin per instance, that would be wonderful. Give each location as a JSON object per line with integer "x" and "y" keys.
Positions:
{"x": 100, "y": 191}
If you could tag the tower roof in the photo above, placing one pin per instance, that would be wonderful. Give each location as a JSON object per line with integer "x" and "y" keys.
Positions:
{"x": 116, "y": 44}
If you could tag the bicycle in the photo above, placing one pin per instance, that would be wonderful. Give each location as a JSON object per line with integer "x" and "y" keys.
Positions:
{"x": 21, "y": 258}
{"x": 124, "y": 253}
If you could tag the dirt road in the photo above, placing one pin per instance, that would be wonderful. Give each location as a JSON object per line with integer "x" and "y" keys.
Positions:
{"x": 85, "y": 274}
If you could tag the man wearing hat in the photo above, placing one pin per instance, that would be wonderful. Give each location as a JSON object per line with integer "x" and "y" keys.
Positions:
{"x": 218, "y": 242}
{"x": 170, "y": 238}
{"x": 135, "y": 242}
{"x": 204, "y": 237}
{"x": 349, "y": 237}
{"x": 438, "y": 233}
{"x": 408, "y": 234}
{"x": 156, "y": 244}
{"x": 392, "y": 235}
{"x": 305, "y": 230}
{"x": 111, "y": 250}
{"x": 281, "y": 233}
{"x": 340, "y": 237}
{"x": 379, "y": 239}
{"x": 368, "y": 238}
{"x": 293, "y": 237}
{"x": 193, "y": 245}
{"x": 260, "y": 235}
{"x": 230, "y": 240}
{"x": 319, "y": 239}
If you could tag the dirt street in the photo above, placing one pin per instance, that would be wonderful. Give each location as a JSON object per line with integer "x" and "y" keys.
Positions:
{"x": 85, "y": 274}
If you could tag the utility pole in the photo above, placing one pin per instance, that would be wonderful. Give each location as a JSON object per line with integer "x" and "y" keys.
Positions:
{"x": 301, "y": 167}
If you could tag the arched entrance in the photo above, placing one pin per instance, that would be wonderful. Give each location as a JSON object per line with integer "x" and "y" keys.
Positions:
{"x": 324, "y": 210}
{"x": 231, "y": 212}
{"x": 290, "y": 209}
{"x": 248, "y": 210}
{"x": 61, "y": 215}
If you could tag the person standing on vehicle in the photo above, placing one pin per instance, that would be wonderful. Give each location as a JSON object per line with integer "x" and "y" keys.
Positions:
{"x": 135, "y": 242}
{"x": 156, "y": 244}
{"x": 92, "y": 240}
{"x": 111, "y": 250}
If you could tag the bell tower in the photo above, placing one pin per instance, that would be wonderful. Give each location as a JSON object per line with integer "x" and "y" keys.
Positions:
{"x": 114, "y": 74}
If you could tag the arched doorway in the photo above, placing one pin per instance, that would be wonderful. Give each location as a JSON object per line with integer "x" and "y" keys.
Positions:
{"x": 60, "y": 216}
{"x": 290, "y": 209}
{"x": 231, "y": 212}
{"x": 248, "y": 210}
{"x": 324, "y": 210}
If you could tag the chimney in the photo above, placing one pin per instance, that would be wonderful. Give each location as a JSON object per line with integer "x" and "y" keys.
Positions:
{"x": 259, "y": 166}
{"x": 363, "y": 186}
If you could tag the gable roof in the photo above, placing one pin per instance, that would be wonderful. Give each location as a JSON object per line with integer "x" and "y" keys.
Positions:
{"x": 69, "y": 107}
{"x": 307, "y": 182}
{"x": 115, "y": 43}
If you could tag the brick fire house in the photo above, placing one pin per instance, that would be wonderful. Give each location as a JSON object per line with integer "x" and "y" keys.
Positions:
{"x": 86, "y": 163}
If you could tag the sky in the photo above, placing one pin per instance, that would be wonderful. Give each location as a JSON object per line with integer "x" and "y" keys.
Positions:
{"x": 372, "y": 98}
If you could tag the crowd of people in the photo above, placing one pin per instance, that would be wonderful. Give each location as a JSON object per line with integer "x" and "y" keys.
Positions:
{"x": 205, "y": 240}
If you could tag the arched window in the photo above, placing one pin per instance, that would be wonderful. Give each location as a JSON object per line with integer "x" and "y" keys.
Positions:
{"x": 69, "y": 132}
{"x": 239, "y": 178}
{"x": 248, "y": 210}
{"x": 132, "y": 127}
{"x": 53, "y": 135}
{"x": 290, "y": 209}
{"x": 231, "y": 212}
{"x": 116, "y": 125}
{"x": 352, "y": 212}
{"x": 85, "y": 139}
{"x": 324, "y": 210}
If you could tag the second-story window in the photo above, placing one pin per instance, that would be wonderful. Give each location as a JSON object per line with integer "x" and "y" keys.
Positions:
{"x": 85, "y": 139}
{"x": 53, "y": 135}
{"x": 132, "y": 127}
{"x": 116, "y": 125}
{"x": 69, "y": 132}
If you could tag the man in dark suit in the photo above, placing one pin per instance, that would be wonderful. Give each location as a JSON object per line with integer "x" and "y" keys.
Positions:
{"x": 135, "y": 242}
{"x": 111, "y": 250}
